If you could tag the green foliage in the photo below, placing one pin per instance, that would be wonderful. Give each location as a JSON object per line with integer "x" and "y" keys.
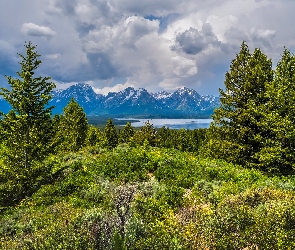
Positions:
{"x": 146, "y": 134}
{"x": 234, "y": 133}
{"x": 73, "y": 127}
{"x": 184, "y": 140}
{"x": 95, "y": 137}
{"x": 277, "y": 153}
{"x": 27, "y": 131}
{"x": 111, "y": 134}
{"x": 126, "y": 134}
{"x": 152, "y": 198}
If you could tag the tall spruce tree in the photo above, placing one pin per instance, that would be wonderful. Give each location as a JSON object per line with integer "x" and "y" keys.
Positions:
{"x": 95, "y": 137}
{"x": 111, "y": 134}
{"x": 278, "y": 151}
{"x": 27, "y": 131}
{"x": 27, "y": 128}
{"x": 73, "y": 127}
{"x": 126, "y": 133}
{"x": 236, "y": 123}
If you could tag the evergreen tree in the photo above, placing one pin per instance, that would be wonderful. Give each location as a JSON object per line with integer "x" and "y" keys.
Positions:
{"x": 233, "y": 133}
{"x": 126, "y": 133}
{"x": 278, "y": 151}
{"x": 95, "y": 137}
{"x": 73, "y": 127}
{"x": 27, "y": 128}
{"x": 147, "y": 133}
{"x": 165, "y": 138}
{"x": 111, "y": 134}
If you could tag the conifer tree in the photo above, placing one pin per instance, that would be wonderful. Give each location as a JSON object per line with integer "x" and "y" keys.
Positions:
{"x": 111, "y": 134}
{"x": 278, "y": 151}
{"x": 27, "y": 128}
{"x": 73, "y": 127}
{"x": 126, "y": 133}
{"x": 95, "y": 137}
{"x": 147, "y": 133}
{"x": 233, "y": 133}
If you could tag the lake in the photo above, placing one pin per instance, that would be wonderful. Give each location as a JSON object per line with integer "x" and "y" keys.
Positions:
{"x": 173, "y": 123}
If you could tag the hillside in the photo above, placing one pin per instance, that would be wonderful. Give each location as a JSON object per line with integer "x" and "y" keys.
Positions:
{"x": 151, "y": 198}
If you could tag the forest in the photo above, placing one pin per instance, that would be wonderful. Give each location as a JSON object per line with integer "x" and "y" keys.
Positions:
{"x": 66, "y": 184}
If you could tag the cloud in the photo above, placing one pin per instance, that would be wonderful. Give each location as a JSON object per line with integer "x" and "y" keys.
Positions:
{"x": 116, "y": 88}
{"x": 149, "y": 43}
{"x": 31, "y": 29}
{"x": 52, "y": 56}
{"x": 8, "y": 60}
{"x": 193, "y": 41}
{"x": 264, "y": 37}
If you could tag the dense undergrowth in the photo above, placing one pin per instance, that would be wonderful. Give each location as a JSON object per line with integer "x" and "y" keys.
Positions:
{"x": 151, "y": 198}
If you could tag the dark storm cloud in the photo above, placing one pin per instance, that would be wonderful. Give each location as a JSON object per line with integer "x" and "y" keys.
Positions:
{"x": 8, "y": 60}
{"x": 84, "y": 28}
{"x": 262, "y": 37}
{"x": 102, "y": 66}
{"x": 67, "y": 6}
{"x": 193, "y": 41}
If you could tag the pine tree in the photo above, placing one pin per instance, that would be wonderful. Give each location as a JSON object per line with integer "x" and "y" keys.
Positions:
{"x": 27, "y": 128}
{"x": 146, "y": 134}
{"x": 111, "y": 134}
{"x": 126, "y": 133}
{"x": 278, "y": 151}
{"x": 27, "y": 131}
{"x": 73, "y": 127}
{"x": 233, "y": 133}
{"x": 95, "y": 137}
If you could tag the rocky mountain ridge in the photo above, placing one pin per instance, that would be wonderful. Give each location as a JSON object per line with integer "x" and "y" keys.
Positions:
{"x": 131, "y": 102}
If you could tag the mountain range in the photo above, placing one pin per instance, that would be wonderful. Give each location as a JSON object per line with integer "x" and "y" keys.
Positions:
{"x": 184, "y": 102}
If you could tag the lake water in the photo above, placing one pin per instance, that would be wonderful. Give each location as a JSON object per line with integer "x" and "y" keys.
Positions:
{"x": 174, "y": 123}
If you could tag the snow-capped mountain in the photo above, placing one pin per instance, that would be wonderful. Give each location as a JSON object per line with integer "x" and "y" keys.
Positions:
{"x": 161, "y": 95}
{"x": 130, "y": 101}
{"x": 82, "y": 93}
{"x": 183, "y": 99}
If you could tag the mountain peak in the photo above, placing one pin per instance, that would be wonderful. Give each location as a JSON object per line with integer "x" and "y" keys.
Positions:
{"x": 84, "y": 86}
{"x": 161, "y": 95}
{"x": 136, "y": 101}
{"x": 184, "y": 91}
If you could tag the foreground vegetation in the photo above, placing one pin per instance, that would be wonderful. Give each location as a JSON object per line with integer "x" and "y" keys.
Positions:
{"x": 151, "y": 198}
{"x": 67, "y": 185}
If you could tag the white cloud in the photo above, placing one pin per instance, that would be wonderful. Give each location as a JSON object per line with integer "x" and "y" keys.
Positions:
{"x": 31, "y": 29}
{"x": 116, "y": 88}
{"x": 262, "y": 37}
{"x": 52, "y": 56}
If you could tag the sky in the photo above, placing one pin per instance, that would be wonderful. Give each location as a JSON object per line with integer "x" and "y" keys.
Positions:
{"x": 153, "y": 44}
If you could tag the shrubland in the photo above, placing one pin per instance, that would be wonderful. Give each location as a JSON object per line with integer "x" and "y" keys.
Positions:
{"x": 151, "y": 198}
